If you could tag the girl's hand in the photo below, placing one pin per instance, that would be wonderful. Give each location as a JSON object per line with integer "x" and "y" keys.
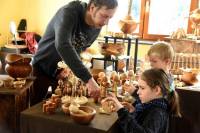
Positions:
{"x": 112, "y": 97}
{"x": 130, "y": 88}
{"x": 128, "y": 106}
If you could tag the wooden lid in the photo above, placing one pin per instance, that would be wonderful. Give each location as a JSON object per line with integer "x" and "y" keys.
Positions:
{"x": 12, "y": 46}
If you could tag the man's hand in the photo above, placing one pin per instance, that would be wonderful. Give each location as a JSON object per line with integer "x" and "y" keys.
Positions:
{"x": 93, "y": 88}
{"x": 63, "y": 73}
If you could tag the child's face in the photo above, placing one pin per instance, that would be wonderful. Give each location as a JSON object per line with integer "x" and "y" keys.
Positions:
{"x": 156, "y": 62}
{"x": 145, "y": 93}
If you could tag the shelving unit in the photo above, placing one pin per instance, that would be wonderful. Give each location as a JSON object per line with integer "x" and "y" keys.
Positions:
{"x": 115, "y": 61}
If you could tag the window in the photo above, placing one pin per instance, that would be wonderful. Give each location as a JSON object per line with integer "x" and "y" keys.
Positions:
{"x": 165, "y": 16}
{"x": 122, "y": 11}
{"x": 120, "y": 14}
{"x": 157, "y": 18}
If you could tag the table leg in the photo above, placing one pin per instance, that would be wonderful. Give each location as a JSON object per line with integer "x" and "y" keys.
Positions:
{"x": 136, "y": 53}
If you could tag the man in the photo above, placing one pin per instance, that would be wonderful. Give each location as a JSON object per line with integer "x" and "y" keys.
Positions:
{"x": 73, "y": 28}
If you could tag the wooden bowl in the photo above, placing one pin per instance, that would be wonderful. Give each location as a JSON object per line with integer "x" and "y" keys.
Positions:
{"x": 195, "y": 16}
{"x": 81, "y": 100}
{"x": 189, "y": 78}
{"x": 16, "y": 59}
{"x": 18, "y": 66}
{"x": 95, "y": 73}
{"x": 82, "y": 118}
{"x": 65, "y": 108}
{"x": 128, "y": 25}
{"x": 10, "y": 58}
{"x": 115, "y": 49}
{"x": 18, "y": 71}
{"x": 8, "y": 82}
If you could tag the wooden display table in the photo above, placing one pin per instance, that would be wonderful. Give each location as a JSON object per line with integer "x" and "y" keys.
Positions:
{"x": 33, "y": 120}
{"x": 12, "y": 102}
{"x": 190, "y": 111}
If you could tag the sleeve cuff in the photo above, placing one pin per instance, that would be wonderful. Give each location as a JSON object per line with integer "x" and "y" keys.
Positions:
{"x": 122, "y": 111}
{"x": 85, "y": 75}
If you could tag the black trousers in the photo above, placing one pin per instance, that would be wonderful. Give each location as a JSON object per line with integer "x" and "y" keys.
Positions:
{"x": 40, "y": 86}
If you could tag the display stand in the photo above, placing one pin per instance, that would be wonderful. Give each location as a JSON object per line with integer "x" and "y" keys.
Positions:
{"x": 115, "y": 61}
{"x": 13, "y": 101}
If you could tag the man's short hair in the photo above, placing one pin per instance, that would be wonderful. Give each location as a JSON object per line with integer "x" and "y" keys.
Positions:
{"x": 110, "y": 4}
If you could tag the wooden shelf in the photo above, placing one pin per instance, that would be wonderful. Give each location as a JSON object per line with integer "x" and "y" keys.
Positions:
{"x": 129, "y": 41}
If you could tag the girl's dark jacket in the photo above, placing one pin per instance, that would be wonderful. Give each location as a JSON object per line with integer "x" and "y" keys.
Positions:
{"x": 152, "y": 119}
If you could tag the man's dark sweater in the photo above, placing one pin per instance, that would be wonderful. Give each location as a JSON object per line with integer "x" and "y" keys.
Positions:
{"x": 67, "y": 35}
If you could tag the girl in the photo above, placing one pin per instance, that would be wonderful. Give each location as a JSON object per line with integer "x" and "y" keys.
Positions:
{"x": 157, "y": 101}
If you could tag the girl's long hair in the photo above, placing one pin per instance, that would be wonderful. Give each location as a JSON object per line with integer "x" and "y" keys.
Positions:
{"x": 157, "y": 77}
